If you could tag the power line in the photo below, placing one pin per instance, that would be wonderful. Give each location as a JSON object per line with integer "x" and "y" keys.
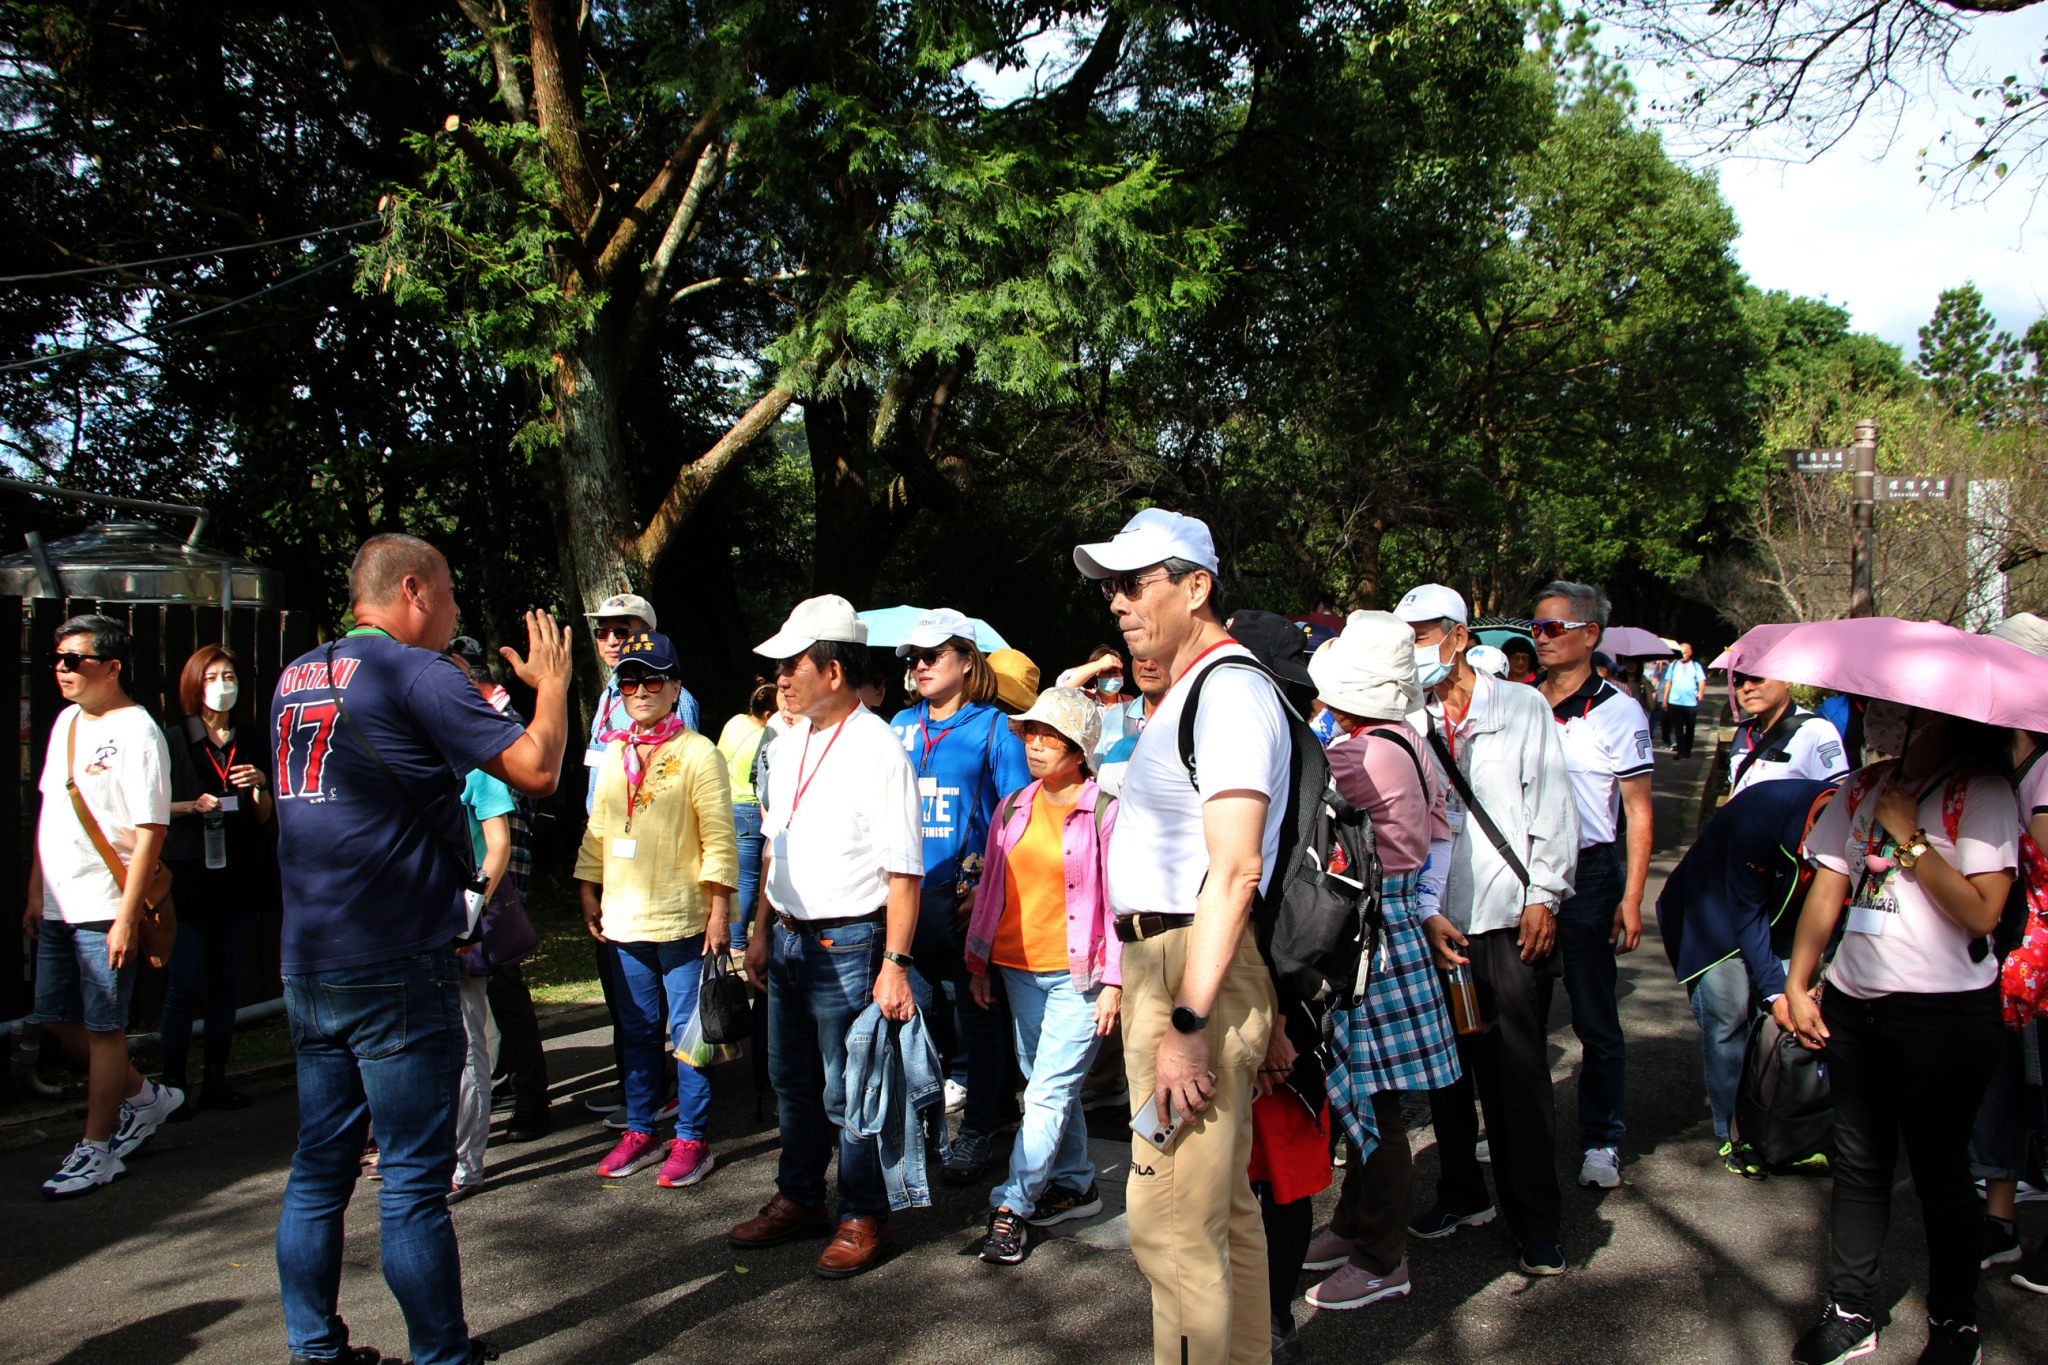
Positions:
{"x": 188, "y": 256}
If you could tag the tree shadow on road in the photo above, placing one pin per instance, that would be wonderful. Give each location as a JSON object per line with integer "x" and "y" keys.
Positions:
{"x": 162, "y": 1339}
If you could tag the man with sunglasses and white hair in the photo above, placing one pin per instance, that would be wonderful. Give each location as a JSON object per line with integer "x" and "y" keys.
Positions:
{"x": 1779, "y": 739}
{"x": 1192, "y": 852}
{"x": 1607, "y": 751}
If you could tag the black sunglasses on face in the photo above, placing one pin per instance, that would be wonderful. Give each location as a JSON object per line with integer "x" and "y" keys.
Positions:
{"x": 927, "y": 657}
{"x": 630, "y": 685}
{"x": 613, "y": 632}
{"x": 70, "y": 662}
{"x": 1129, "y": 584}
{"x": 1745, "y": 679}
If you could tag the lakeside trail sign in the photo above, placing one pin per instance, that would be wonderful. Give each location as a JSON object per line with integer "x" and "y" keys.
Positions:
{"x": 1913, "y": 490}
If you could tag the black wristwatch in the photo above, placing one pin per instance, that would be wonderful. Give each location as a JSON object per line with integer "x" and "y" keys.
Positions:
{"x": 903, "y": 960}
{"x": 1186, "y": 1020}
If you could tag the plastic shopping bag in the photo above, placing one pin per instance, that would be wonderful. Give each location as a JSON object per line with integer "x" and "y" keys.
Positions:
{"x": 693, "y": 1049}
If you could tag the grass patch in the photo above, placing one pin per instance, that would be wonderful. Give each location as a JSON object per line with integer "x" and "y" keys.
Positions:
{"x": 563, "y": 969}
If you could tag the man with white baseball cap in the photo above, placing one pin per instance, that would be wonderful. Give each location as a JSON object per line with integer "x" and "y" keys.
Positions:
{"x": 839, "y": 882}
{"x": 1150, "y": 538}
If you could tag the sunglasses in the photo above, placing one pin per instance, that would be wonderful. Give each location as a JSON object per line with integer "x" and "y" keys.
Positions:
{"x": 613, "y": 632}
{"x": 927, "y": 657}
{"x": 70, "y": 662}
{"x": 1551, "y": 630}
{"x": 1745, "y": 679}
{"x": 650, "y": 681}
{"x": 1129, "y": 585}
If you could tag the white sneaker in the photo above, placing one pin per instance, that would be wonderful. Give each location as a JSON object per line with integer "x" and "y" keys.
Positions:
{"x": 2030, "y": 1193}
{"x": 956, "y": 1096}
{"x": 139, "y": 1121}
{"x": 87, "y": 1168}
{"x": 1483, "y": 1150}
{"x": 1601, "y": 1170}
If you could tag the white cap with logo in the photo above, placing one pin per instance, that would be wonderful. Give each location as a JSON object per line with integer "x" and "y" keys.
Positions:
{"x": 626, "y": 604}
{"x": 830, "y": 617}
{"x": 1153, "y": 536}
{"x": 1432, "y": 602}
{"x": 936, "y": 627}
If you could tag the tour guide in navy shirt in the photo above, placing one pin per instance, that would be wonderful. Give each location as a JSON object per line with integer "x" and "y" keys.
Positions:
{"x": 373, "y": 901}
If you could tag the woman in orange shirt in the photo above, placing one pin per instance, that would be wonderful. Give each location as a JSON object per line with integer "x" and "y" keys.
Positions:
{"x": 1041, "y": 916}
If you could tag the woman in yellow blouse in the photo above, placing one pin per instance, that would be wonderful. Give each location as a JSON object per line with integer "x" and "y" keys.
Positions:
{"x": 657, "y": 869}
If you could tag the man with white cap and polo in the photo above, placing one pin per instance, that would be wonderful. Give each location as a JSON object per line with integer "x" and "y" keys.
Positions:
{"x": 839, "y": 880}
{"x": 1191, "y": 853}
{"x": 1514, "y": 846}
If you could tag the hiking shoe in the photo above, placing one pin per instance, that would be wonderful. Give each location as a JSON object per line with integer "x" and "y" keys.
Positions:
{"x": 968, "y": 1157}
{"x": 1008, "y": 1240}
{"x": 1352, "y": 1287}
{"x": 956, "y": 1096}
{"x": 142, "y": 1116}
{"x": 1542, "y": 1258}
{"x": 1059, "y": 1204}
{"x": 1952, "y": 1343}
{"x": 689, "y": 1161}
{"x": 1326, "y": 1251}
{"x": 2000, "y": 1245}
{"x": 354, "y": 1355}
{"x": 1817, "y": 1164}
{"x": 1601, "y": 1170}
{"x": 634, "y": 1151}
{"x": 89, "y": 1166}
{"x": 1837, "y": 1337}
{"x": 2033, "y": 1273}
{"x": 1742, "y": 1159}
{"x": 602, "y": 1102}
{"x": 1482, "y": 1151}
{"x": 1442, "y": 1222}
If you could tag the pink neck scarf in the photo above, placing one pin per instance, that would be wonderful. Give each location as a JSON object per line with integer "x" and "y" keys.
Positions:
{"x": 665, "y": 729}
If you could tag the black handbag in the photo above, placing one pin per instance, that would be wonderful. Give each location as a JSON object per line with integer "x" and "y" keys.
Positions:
{"x": 1785, "y": 1109}
{"x": 723, "y": 1004}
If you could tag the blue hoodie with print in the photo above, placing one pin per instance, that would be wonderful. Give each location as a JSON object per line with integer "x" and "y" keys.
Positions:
{"x": 965, "y": 764}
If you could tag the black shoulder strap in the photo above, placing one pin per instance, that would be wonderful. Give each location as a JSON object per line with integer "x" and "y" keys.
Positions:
{"x": 1187, "y": 711}
{"x": 1788, "y": 725}
{"x": 1393, "y": 733}
{"x": 1472, "y": 806}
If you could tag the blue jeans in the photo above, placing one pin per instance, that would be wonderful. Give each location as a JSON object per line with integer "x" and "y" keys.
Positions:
{"x": 746, "y": 822}
{"x": 817, "y": 986}
{"x": 1721, "y": 1004}
{"x": 382, "y": 1044}
{"x": 1056, "y": 1044}
{"x": 1585, "y": 928}
{"x": 74, "y": 984}
{"x": 651, "y": 976}
{"x": 205, "y": 979}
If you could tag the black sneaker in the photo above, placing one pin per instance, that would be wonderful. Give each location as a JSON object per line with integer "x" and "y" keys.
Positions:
{"x": 1009, "y": 1238}
{"x": 1059, "y": 1204}
{"x": 1952, "y": 1343}
{"x": 1837, "y": 1337}
{"x": 2033, "y": 1273}
{"x": 350, "y": 1355}
{"x": 1442, "y": 1222}
{"x": 967, "y": 1158}
{"x": 2000, "y": 1245}
{"x": 1542, "y": 1258}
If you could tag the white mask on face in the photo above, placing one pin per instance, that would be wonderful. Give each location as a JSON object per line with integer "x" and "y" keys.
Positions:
{"x": 221, "y": 695}
{"x": 1885, "y": 725}
{"x": 1430, "y": 667}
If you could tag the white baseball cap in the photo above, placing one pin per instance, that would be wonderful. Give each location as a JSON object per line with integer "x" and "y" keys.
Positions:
{"x": 936, "y": 627}
{"x": 1153, "y": 536}
{"x": 1432, "y": 602}
{"x": 816, "y": 618}
{"x": 626, "y": 604}
{"x": 1488, "y": 659}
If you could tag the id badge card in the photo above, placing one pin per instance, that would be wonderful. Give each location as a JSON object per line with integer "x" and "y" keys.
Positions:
{"x": 779, "y": 845}
{"x": 592, "y": 757}
{"x": 231, "y": 803}
{"x": 1456, "y": 820}
{"x": 1867, "y": 919}
{"x": 927, "y": 786}
{"x": 623, "y": 847}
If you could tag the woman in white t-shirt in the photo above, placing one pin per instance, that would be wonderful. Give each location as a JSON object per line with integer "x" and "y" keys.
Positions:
{"x": 1921, "y": 852}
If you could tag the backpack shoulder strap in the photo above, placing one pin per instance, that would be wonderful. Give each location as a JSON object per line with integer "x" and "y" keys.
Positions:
{"x": 1779, "y": 734}
{"x": 1190, "y": 706}
{"x": 1393, "y": 734}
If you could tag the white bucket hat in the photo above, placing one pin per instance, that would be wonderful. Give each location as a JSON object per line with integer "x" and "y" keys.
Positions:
{"x": 1369, "y": 670}
{"x": 2026, "y": 630}
{"x": 1069, "y": 711}
{"x": 816, "y": 618}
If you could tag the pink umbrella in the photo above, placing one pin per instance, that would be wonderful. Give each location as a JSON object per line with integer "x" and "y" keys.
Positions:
{"x": 1914, "y": 663}
{"x": 1753, "y": 642}
{"x": 1633, "y": 642}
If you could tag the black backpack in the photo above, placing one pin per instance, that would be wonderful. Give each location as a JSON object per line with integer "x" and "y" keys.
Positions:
{"x": 1319, "y": 925}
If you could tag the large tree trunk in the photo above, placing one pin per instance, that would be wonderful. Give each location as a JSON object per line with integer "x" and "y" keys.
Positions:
{"x": 596, "y": 494}
{"x": 843, "y": 561}
{"x": 1365, "y": 574}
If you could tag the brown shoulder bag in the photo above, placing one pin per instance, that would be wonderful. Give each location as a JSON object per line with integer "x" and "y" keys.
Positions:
{"x": 159, "y": 916}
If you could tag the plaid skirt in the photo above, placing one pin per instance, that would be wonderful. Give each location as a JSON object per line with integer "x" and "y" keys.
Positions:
{"x": 1401, "y": 1039}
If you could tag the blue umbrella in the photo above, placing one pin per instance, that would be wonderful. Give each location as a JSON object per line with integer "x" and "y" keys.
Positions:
{"x": 889, "y": 627}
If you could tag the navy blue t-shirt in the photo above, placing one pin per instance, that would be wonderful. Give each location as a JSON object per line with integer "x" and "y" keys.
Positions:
{"x": 364, "y": 880}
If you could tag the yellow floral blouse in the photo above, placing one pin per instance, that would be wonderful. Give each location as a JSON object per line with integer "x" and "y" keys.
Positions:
{"x": 680, "y": 835}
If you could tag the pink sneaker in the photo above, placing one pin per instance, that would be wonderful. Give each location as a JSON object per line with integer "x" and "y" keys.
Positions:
{"x": 689, "y": 1161}
{"x": 634, "y": 1151}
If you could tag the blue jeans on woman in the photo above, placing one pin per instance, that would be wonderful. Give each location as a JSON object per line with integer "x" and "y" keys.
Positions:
{"x": 651, "y": 976}
{"x": 1056, "y": 1044}
{"x": 382, "y": 1043}
{"x": 746, "y": 822}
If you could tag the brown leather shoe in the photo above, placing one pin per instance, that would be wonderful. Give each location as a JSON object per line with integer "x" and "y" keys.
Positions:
{"x": 855, "y": 1247}
{"x": 779, "y": 1220}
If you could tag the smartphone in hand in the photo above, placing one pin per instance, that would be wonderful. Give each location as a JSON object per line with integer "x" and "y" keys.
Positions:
{"x": 1151, "y": 1128}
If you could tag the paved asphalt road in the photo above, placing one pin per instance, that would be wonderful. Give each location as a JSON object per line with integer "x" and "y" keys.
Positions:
{"x": 1684, "y": 1263}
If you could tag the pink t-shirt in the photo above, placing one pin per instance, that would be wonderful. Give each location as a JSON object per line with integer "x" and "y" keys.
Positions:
{"x": 1379, "y": 777}
{"x": 2034, "y": 792}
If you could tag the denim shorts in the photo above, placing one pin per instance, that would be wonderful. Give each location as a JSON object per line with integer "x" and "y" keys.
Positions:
{"x": 74, "y": 984}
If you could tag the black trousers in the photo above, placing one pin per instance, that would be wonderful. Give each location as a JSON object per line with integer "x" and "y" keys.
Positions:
{"x": 1289, "y": 1230}
{"x": 520, "y": 1052}
{"x": 1909, "y": 1068}
{"x": 1509, "y": 1068}
{"x": 1681, "y": 721}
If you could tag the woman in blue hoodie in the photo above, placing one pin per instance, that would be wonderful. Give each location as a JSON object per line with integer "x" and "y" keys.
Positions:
{"x": 967, "y": 760}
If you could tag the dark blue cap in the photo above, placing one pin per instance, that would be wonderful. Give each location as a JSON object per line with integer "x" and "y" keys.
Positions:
{"x": 651, "y": 650}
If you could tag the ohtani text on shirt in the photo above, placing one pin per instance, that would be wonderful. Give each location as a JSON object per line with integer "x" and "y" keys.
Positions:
{"x": 305, "y": 729}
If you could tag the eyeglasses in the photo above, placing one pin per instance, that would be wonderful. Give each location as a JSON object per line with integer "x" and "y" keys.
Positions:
{"x": 927, "y": 657}
{"x": 650, "y": 681}
{"x": 1131, "y": 585}
{"x": 1551, "y": 630}
{"x": 69, "y": 662}
{"x": 613, "y": 632}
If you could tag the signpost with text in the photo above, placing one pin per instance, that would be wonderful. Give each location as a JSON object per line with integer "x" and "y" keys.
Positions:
{"x": 1866, "y": 490}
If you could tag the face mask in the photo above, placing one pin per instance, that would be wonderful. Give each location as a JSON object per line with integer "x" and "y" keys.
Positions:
{"x": 1430, "y": 668}
{"x": 221, "y": 696}
{"x": 1111, "y": 685}
{"x": 1885, "y": 725}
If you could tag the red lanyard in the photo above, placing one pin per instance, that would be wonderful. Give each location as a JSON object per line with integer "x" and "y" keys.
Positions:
{"x": 804, "y": 783}
{"x": 219, "y": 770}
{"x": 924, "y": 763}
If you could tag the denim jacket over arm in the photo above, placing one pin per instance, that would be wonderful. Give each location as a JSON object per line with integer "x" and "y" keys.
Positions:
{"x": 895, "y": 1097}
{"x": 1094, "y": 953}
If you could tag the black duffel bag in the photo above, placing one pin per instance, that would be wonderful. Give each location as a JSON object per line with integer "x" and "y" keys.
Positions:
{"x": 1784, "y": 1111}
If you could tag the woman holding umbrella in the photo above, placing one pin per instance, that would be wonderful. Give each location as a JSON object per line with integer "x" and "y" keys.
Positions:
{"x": 1921, "y": 850}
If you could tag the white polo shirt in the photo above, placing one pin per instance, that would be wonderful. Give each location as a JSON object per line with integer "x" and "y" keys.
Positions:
{"x": 1242, "y": 743}
{"x": 1812, "y": 749}
{"x": 1606, "y": 738}
{"x": 840, "y": 815}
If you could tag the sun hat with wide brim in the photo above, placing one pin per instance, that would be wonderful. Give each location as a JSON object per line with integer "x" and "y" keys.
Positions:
{"x": 1369, "y": 670}
{"x": 1016, "y": 680}
{"x": 1072, "y": 713}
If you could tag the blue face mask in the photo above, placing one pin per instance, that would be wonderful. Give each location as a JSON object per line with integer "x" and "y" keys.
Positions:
{"x": 1430, "y": 667}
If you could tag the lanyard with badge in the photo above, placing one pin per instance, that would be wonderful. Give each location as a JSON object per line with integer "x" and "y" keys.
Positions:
{"x": 780, "y": 847}
{"x": 1876, "y": 897}
{"x": 212, "y": 823}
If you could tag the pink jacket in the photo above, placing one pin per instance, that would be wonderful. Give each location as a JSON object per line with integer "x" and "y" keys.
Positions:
{"x": 1094, "y": 953}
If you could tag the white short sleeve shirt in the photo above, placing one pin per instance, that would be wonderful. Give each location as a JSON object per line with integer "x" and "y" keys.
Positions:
{"x": 1812, "y": 750}
{"x": 1242, "y": 743}
{"x": 123, "y": 770}
{"x": 1606, "y": 738}
{"x": 841, "y": 815}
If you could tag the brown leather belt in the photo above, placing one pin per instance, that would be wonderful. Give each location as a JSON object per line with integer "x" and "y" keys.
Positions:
{"x": 819, "y": 926}
{"x": 1138, "y": 928}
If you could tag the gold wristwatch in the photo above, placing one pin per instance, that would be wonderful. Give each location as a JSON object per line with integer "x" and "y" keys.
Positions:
{"x": 1912, "y": 851}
